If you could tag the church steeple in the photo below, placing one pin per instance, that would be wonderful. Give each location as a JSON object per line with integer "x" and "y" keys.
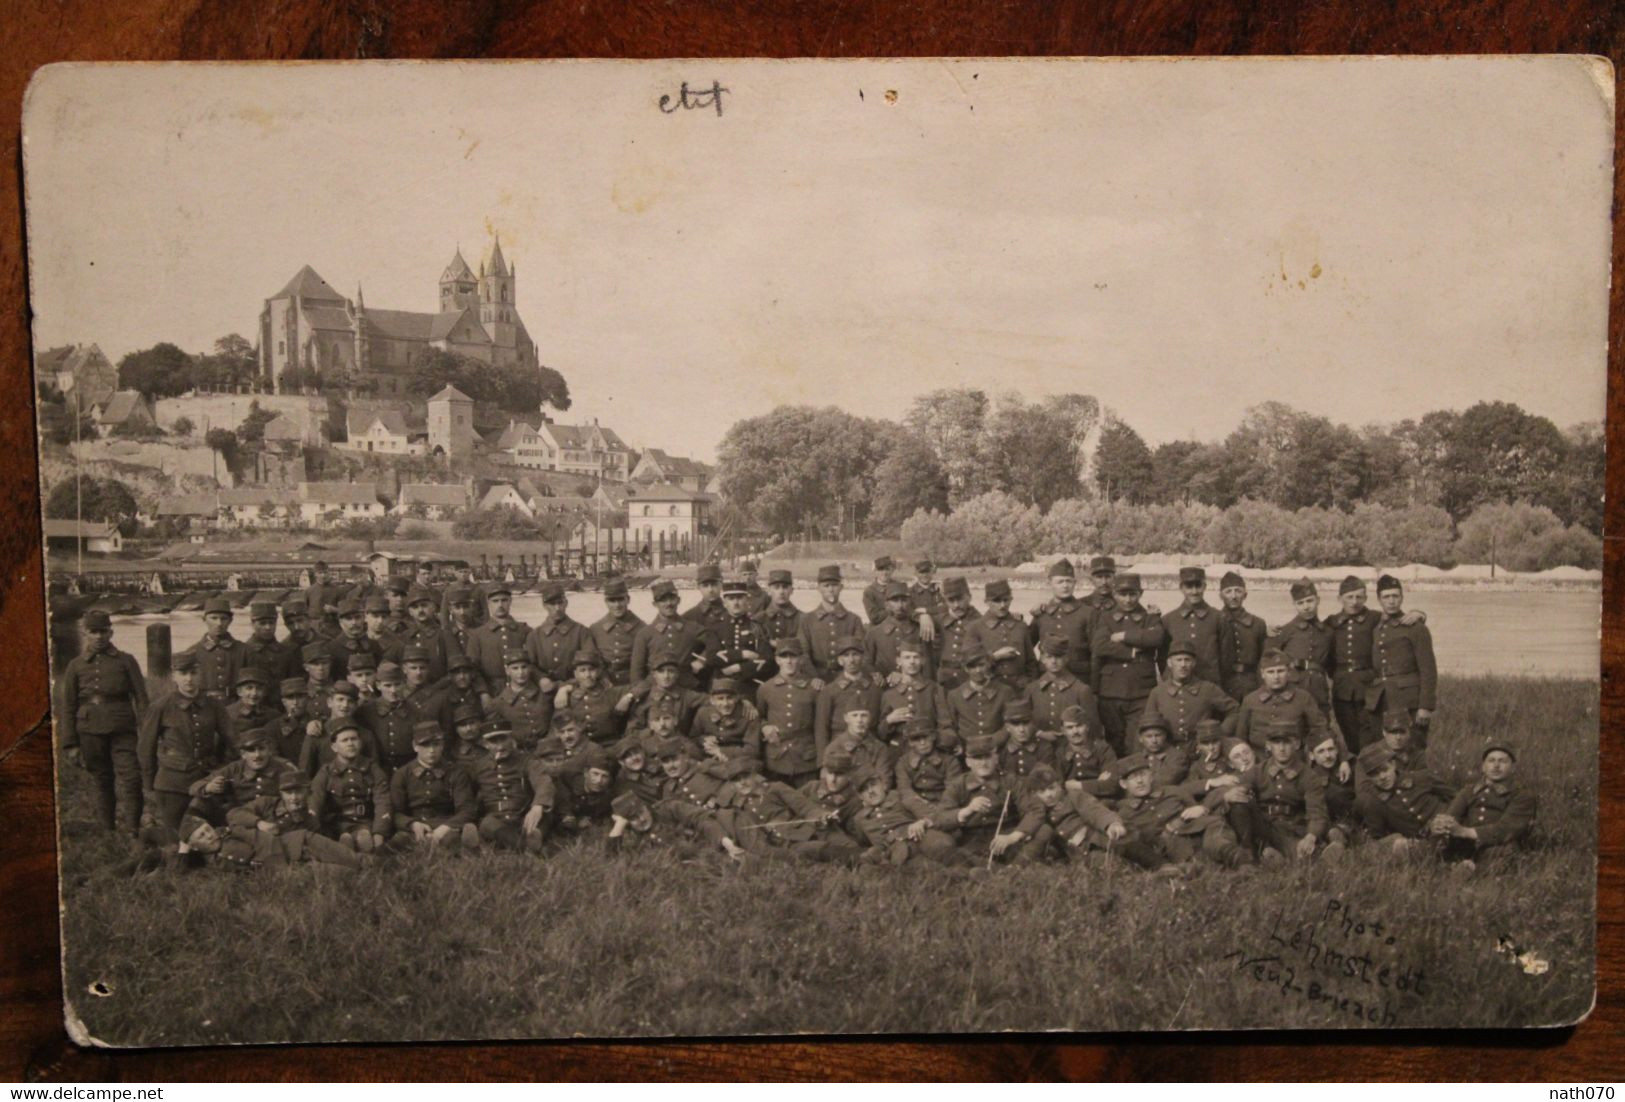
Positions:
{"x": 458, "y": 289}
{"x": 498, "y": 312}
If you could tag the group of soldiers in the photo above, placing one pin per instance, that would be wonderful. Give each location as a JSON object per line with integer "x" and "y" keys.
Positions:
{"x": 399, "y": 715}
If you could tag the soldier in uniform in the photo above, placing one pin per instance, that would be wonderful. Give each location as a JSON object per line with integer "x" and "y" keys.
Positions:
{"x": 911, "y": 695}
{"x": 1396, "y": 809}
{"x": 296, "y": 618}
{"x": 664, "y": 689}
{"x": 423, "y": 580}
{"x": 181, "y": 740}
{"x": 318, "y": 663}
{"x": 853, "y": 686}
{"x": 1082, "y": 758}
{"x": 977, "y": 813}
{"x": 1242, "y": 638}
{"x": 833, "y": 795}
{"x": 954, "y": 635}
{"x": 636, "y": 768}
{"x": 977, "y": 706}
{"x": 876, "y": 596}
{"x": 322, "y": 599}
{"x": 425, "y": 631}
{"x": 351, "y": 638}
{"x": 669, "y": 633}
{"x": 1057, "y": 688}
{"x": 781, "y": 617}
{"x": 350, "y": 794}
{"x": 396, "y": 620}
{"x": 1407, "y": 677}
{"x": 459, "y": 623}
{"x": 1490, "y": 814}
{"x": 289, "y": 729}
{"x": 464, "y": 581}
{"x": 431, "y": 800}
{"x": 1165, "y": 830}
{"x": 492, "y": 642}
{"x": 1063, "y": 616}
{"x": 1123, "y": 654}
{"x": 1291, "y": 804}
{"x": 926, "y": 597}
{"x": 1195, "y": 623}
{"x": 101, "y": 698}
{"x": 897, "y": 627}
{"x": 1183, "y": 699}
{"x": 1397, "y": 736}
{"x": 425, "y": 698}
{"x": 1330, "y": 764}
{"x": 1004, "y": 637}
{"x": 263, "y": 650}
{"x": 363, "y": 674}
{"x": 556, "y": 641}
{"x": 788, "y": 703}
{"x": 527, "y": 709}
{"x": 284, "y": 830}
{"x": 1278, "y": 702}
{"x": 1306, "y": 640}
{"x": 219, "y": 655}
{"x": 739, "y": 646}
{"x": 256, "y": 773}
{"x": 391, "y": 721}
{"x": 1021, "y": 750}
{"x": 924, "y": 770}
{"x": 708, "y": 611}
{"x": 727, "y": 727}
{"x": 890, "y": 833}
{"x": 249, "y": 711}
{"x": 1353, "y": 671}
{"x": 827, "y": 625}
{"x": 613, "y": 634}
{"x": 515, "y": 800}
{"x": 1169, "y": 764}
{"x": 594, "y": 702}
{"x": 756, "y": 598}
{"x": 461, "y": 685}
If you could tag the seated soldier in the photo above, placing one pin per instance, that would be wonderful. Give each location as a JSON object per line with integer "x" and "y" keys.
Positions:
{"x": 1166, "y": 831}
{"x": 467, "y": 721}
{"x": 431, "y": 800}
{"x": 925, "y": 770}
{"x": 1278, "y": 702}
{"x": 317, "y": 750}
{"x": 1183, "y": 699}
{"x": 1084, "y": 758}
{"x": 1396, "y": 810}
{"x": 911, "y": 692}
{"x": 289, "y": 729}
{"x": 726, "y": 727}
{"x": 852, "y": 687}
{"x": 198, "y": 844}
{"x": 635, "y": 824}
{"x": 857, "y": 737}
{"x": 636, "y": 768}
{"x": 592, "y": 699}
{"x": 1057, "y": 821}
{"x": 350, "y": 794}
{"x": 686, "y": 778}
{"x": 528, "y": 710}
{"x": 284, "y": 831}
{"x": 585, "y": 791}
{"x": 1169, "y": 764}
{"x": 1291, "y": 803}
{"x": 664, "y": 688}
{"x": 514, "y": 798}
{"x": 771, "y": 819}
{"x": 1489, "y": 816}
{"x": 890, "y": 833}
{"x": 256, "y": 773}
{"x": 249, "y": 710}
{"x": 1022, "y": 751}
{"x": 1336, "y": 774}
{"x": 390, "y": 719}
{"x": 1057, "y": 690}
{"x": 461, "y": 685}
{"x": 833, "y": 795}
{"x": 1396, "y": 736}
{"x": 976, "y": 809}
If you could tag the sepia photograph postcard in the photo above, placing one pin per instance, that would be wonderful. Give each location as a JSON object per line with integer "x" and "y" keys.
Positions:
{"x": 741, "y": 547}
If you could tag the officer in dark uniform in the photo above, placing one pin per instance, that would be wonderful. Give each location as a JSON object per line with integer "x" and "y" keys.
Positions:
{"x": 708, "y": 611}
{"x": 1407, "y": 676}
{"x": 1063, "y": 616}
{"x": 739, "y": 646}
{"x": 219, "y": 655}
{"x": 1195, "y": 623}
{"x": 1123, "y": 657}
{"x": 101, "y": 698}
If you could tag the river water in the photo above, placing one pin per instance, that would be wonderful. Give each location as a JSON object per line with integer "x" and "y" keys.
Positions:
{"x": 1552, "y": 633}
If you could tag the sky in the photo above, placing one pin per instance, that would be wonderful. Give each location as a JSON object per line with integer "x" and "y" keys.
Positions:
{"x": 1367, "y": 239}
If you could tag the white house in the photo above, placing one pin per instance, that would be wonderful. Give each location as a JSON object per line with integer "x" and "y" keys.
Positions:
{"x": 98, "y": 538}
{"x": 382, "y": 431}
{"x": 259, "y": 507}
{"x": 681, "y": 516}
{"x": 504, "y": 493}
{"x": 442, "y": 500}
{"x": 322, "y": 503}
{"x": 655, "y": 465}
{"x": 524, "y": 446}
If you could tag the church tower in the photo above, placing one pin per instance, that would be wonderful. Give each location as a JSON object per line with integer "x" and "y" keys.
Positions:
{"x": 458, "y": 288}
{"x": 498, "y": 312}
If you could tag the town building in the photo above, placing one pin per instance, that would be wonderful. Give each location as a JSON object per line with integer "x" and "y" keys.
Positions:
{"x": 655, "y": 465}
{"x": 94, "y": 536}
{"x": 440, "y": 500}
{"x": 80, "y": 371}
{"x": 127, "y": 411}
{"x": 662, "y": 511}
{"x": 381, "y": 432}
{"x": 451, "y": 423}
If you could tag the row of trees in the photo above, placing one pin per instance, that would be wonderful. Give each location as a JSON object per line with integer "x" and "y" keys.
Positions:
{"x": 810, "y": 472}
{"x": 165, "y": 370}
{"x": 997, "y": 528}
{"x": 510, "y": 388}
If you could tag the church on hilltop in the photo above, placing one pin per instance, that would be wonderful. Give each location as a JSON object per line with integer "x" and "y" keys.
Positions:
{"x": 308, "y": 329}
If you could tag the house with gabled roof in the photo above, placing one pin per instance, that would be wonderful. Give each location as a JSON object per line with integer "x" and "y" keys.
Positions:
{"x": 585, "y": 449}
{"x": 381, "y": 432}
{"x": 80, "y": 371}
{"x": 655, "y": 465}
{"x": 322, "y": 503}
{"x": 126, "y": 409}
{"x": 442, "y": 500}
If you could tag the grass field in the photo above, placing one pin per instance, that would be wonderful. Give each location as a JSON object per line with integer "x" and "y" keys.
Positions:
{"x": 652, "y": 944}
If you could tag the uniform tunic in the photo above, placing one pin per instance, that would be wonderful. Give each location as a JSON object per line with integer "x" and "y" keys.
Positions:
{"x": 1500, "y": 811}
{"x": 954, "y": 638}
{"x": 594, "y": 708}
{"x": 881, "y": 643}
{"x": 781, "y": 621}
{"x": 438, "y": 795}
{"x": 874, "y": 603}
{"x": 1052, "y": 694}
{"x": 923, "y": 778}
{"x": 710, "y": 612}
{"x": 180, "y": 741}
{"x": 491, "y": 643}
{"x": 1198, "y": 626}
{"x": 100, "y": 693}
{"x": 345, "y": 797}
{"x": 391, "y": 727}
{"x": 974, "y": 710}
{"x": 1068, "y": 619}
{"x": 1183, "y": 705}
{"x": 1020, "y": 760}
{"x": 612, "y": 637}
{"x": 821, "y": 630}
{"x": 218, "y": 662}
{"x": 1308, "y": 647}
{"x": 1405, "y": 809}
{"x": 1407, "y": 675}
{"x": 554, "y": 644}
{"x": 728, "y": 640}
{"x": 528, "y": 709}
{"x": 1288, "y": 798}
{"x": 668, "y": 634}
{"x": 738, "y": 735}
{"x": 926, "y": 700}
{"x": 1352, "y": 675}
{"x": 789, "y": 704}
{"x": 1242, "y": 639}
{"x": 1289, "y": 705}
{"x": 1084, "y": 763}
{"x": 844, "y": 694}
{"x": 994, "y": 631}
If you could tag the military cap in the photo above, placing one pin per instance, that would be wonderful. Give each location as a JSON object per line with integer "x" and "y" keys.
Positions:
{"x": 911, "y": 646}
{"x": 1326, "y": 736}
{"x": 615, "y": 590}
{"x": 217, "y": 604}
{"x": 97, "y": 619}
{"x": 1061, "y": 568}
{"x": 419, "y": 595}
{"x": 780, "y": 577}
{"x": 251, "y": 675}
{"x": 495, "y": 729}
{"x": 1057, "y": 645}
{"x": 457, "y": 660}
{"x": 925, "y": 566}
{"x": 515, "y": 657}
{"x": 585, "y": 657}
{"x": 1074, "y": 713}
{"x": 1231, "y": 580}
{"x": 997, "y": 590}
{"x": 185, "y": 660}
{"x": 955, "y": 586}
{"x": 973, "y": 656}
{"x": 1043, "y": 776}
{"x": 662, "y": 590}
{"x": 1302, "y": 588}
{"x": 626, "y": 805}
{"x": 312, "y": 653}
{"x": 398, "y": 584}
{"x": 458, "y": 594}
{"x": 499, "y": 588}
{"x": 749, "y": 566}
{"x": 349, "y": 606}
{"x": 708, "y": 572}
{"x": 1102, "y": 564}
{"x": 1155, "y": 723}
{"x": 1019, "y": 710}
{"x": 360, "y": 660}
{"x": 1191, "y": 575}
{"x": 553, "y": 592}
{"x": 847, "y": 644}
{"x": 631, "y": 743}
{"x": 725, "y": 685}
{"x": 1130, "y": 765}
{"x": 1396, "y": 721}
{"x": 1281, "y": 730}
{"x": 735, "y": 587}
{"x": 666, "y": 656}
{"x": 294, "y": 686}
{"x": 786, "y": 647}
{"x": 551, "y": 746}
{"x": 467, "y": 712}
{"x": 867, "y": 775}
{"x": 829, "y": 574}
{"x": 414, "y": 653}
{"x": 980, "y": 746}
{"x": 262, "y": 610}
{"x": 376, "y": 603}
{"x": 344, "y": 688}
{"x": 885, "y": 562}
{"x": 1374, "y": 757}
{"x": 1208, "y": 729}
{"x": 292, "y": 780}
{"x": 1387, "y": 582}
{"x": 1181, "y": 646}
{"x": 295, "y": 603}
{"x": 1495, "y": 742}
{"x": 1273, "y": 658}
{"x": 1127, "y": 583}
{"x": 920, "y": 727}
{"x": 837, "y": 759}
{"x": 190, "y": 824}
{"x": 561, "y": 720}
{"x": 427, "y": 733}
{"x": 670, "y": 748}
{"x": 1350, "y": 584}
{"x": 896, "y": 589}
{"x": 388, "y": 672}
{"x": 255, "y": 737}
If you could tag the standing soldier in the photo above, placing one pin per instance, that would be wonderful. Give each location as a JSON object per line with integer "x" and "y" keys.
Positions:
{"x": 875, "y": 594}
{"x": 593, "y": 700}
{"x": 389, "y": 718}
{"x": 1103, "y": 572}
{"x": 825, "y": 626}
{"x": 528, "y": 710}
{"x": 612, "y": 636}
{"x": 424, "y": 580}
{"x": 756, "y": 597}
{"x": 1058, "y": 689}
{"x": 1278, "y": 703}
{"x": 953, "y": 632}
{"x": 500, "y": 635}
{"x": 1407, "y": 676}
{"x": 322, "y": 600}
{"x": 1183, "y": 700}
{"x": 1352, "y": 629}
{"x": 910, "y": 694}
{"x": 1195, "y": 623}
{"x": 669, "y": 633}
{"x": 425, "y": 631}
{"x": 181, "y": 741}
{"x": 976, "y": 706}
{"x": 555, "y": 642}
{"x": 926, "y": 596}
{"x": 709, "y": 610}
{"x": 739, "y": 647}
{"x": 1063, "y": 616}
{"x": 263, "y": 651}
{"x": 885, "y": 636}
{"x": 296, "y": 618}
{"x": 781, "y": 617}
{"x": 396, "y": 620}
{"x": 1004, "y": 637}
{"x": 219, "y": 655}
{"x": 476, "y": 599}
{"x": 788, "y": 702}
{"x": 852, "y": 687}
{"x": 352, "y": 639}
{"x": 456, "y": 636}
{"x": 1242, "y": 640}
{"x": 1306, "y": 640}
{"x": 1123, "y": 655}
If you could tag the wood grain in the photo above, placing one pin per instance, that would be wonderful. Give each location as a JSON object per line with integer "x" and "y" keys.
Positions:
{"x": 32, "y": 1042}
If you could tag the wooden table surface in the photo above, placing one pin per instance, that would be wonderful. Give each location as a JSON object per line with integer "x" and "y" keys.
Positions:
{"x": 32, "y": 1042}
